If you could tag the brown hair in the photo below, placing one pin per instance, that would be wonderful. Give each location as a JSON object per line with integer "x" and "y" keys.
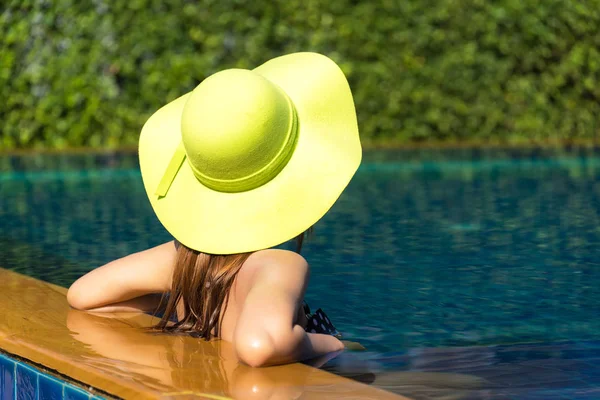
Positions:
{"x": 202, "y": 282}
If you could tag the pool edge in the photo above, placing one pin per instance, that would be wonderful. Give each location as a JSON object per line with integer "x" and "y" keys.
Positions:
{"x": 35, "y": 309}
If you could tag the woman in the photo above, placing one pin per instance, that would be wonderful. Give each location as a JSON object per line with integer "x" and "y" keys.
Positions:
{"x": 246, "y": 161}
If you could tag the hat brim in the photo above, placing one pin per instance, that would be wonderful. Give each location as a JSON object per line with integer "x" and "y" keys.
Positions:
{"x": 326, "y": 156}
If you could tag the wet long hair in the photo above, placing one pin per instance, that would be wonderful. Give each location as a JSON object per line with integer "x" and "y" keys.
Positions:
{"x": 202, "y": 282}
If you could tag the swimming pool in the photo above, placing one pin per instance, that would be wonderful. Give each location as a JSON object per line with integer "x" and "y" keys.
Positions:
{"x": 427, "y": 252}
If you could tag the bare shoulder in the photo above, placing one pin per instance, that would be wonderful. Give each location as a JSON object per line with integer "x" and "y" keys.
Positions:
{"x": 282, "y": 267}
{"x": 280, "y": 257}
{"x": 276, "y": 260}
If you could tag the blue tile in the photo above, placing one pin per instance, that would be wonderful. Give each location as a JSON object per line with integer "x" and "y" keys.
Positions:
{"x": 50, "y": 388}
{"x": 27, "y": 383}
{"x": 7, "y": 378}
{"x": 19, "y": 381}
{"x": 73, "y": 393}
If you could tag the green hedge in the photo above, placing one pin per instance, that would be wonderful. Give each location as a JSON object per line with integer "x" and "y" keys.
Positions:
{"x": 88, "y": 73}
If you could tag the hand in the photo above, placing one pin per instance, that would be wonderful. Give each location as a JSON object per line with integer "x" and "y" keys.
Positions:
{"x": 354, "y": 346}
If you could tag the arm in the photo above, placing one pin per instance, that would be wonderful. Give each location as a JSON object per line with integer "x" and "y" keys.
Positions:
{"x": 127, "y": 284}
{"x": 266, "y": 332}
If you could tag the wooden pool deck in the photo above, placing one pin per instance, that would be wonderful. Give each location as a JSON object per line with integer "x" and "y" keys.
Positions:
{"x": 116, "y": 356}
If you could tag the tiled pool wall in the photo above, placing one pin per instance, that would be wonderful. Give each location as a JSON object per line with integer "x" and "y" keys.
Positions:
{"x": 24, "y": 382}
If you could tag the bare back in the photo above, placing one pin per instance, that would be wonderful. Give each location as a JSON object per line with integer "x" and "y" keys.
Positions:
{"x": 262, "y": 317}
{"x": 263, "y": 270}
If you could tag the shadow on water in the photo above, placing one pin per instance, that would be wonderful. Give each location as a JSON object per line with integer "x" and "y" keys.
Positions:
{"x": 560, "y": 370}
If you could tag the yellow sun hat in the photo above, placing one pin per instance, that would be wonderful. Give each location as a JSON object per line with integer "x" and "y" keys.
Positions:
{"x": 252, "y": 158}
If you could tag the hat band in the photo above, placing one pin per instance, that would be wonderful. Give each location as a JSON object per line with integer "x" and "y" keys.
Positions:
{"x": 252, "y": 181}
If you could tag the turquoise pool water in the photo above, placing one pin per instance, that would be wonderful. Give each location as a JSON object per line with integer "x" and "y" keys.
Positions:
{"x": 424, "y": 250}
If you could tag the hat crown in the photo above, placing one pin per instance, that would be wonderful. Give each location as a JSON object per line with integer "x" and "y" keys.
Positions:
{"x": 238, "y": 129}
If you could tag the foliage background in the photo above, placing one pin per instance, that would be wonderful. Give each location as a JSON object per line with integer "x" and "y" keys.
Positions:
{"x": 89, "y": 73}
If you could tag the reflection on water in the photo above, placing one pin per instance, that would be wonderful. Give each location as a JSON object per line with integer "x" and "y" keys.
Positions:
{"x": 423, "y": 249}
{"x": 164, "y": 362}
